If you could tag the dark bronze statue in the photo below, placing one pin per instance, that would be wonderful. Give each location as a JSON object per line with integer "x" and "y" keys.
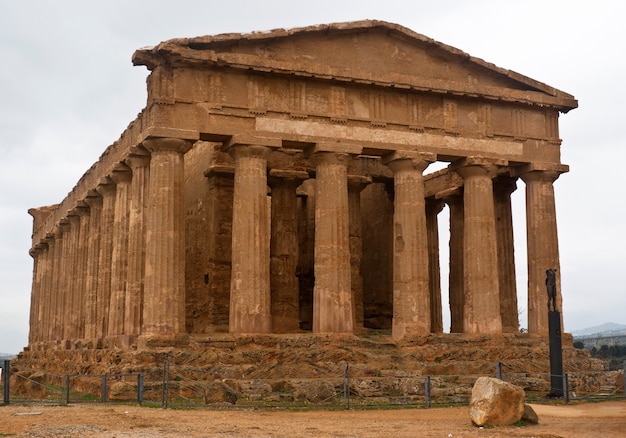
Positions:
{"x": 551, "y": 288}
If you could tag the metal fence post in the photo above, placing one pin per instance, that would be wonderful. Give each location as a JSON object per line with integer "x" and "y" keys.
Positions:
{"x": 499, "y": 370}
{"x": 67, "y": 390}
{"x": 347, "y": 384}
{"x": 166, "y": 385}
{"x": 104, "y": 388}
{"x": 6, "y": 374}
{"x": 140, "y": 388}
{"x": 565, "y": 389}
{"x": 427, "y": 392}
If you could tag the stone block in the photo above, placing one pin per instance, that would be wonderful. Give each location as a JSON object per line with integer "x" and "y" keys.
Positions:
{"x": 529, "y": 415}
{"x": 495, "y": 402}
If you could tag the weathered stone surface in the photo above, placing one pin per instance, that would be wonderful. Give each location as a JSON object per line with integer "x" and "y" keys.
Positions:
{"x": 495, "y": 402}
{"x": 529, "y": 415}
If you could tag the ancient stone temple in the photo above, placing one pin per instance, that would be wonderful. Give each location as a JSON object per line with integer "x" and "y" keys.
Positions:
{"x": 278, "y": 182}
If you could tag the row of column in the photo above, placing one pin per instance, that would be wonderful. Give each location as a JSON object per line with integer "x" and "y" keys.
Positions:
{"x": 114, "y": 266}
{"x": 482, "y": 271}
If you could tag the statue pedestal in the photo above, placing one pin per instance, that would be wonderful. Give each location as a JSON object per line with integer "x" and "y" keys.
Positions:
{"x": 556, "y": 354}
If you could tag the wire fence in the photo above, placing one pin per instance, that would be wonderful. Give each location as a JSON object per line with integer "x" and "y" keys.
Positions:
{"x": 173, "y": 385}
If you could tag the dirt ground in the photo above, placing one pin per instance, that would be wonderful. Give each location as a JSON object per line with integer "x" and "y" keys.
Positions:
{"x": 605, "y": 419}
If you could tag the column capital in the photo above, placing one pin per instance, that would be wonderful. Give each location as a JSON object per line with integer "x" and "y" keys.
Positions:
{"x": 357, "y": 183}
{"x": 240, "y": 150}
{"x": 121, "y": 174}
{"x": 504, "y": 184}
{"x": 158, "y": 144}
{"x": 281, "y": 176}
{"x": 63, "y": 226}
{"x": 81, "y": 209}
{"x": 105, "y": 186}
{"x": 134, "y": 161}
{"x": 317, "y": 156}
{"x": 409, "y": 160}
{"x": 545, "y": 172}
{"x": 434, "y": 205}
{"x": 93, "y": 199}
{"x": 477, "y": 166}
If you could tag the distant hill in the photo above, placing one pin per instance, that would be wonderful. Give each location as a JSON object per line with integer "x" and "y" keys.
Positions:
{"x": 7, "y": 356}
{"x": 606, "y": 329}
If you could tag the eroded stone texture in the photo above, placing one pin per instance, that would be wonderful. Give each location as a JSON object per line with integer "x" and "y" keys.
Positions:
{"x": 164, "y": 293}
{"x": 481, "y": 307}
{"x": 411, "y": 291}
{"x": 332, "y": 295}
{"x": 496, "y": 402}
{"x": 250, "y": 278}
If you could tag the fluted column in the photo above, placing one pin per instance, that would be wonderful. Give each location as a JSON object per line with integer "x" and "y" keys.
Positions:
{"x": 60, "y": 288}
{"x": 542, "y": 241}
{"x": 480, "y": 254}
{"x": 285, "y": 309}
{"x": 106, "y": 188}
{"x": 503, "y": 186}
{"x": 332, "y": 294}
{"x": 82, "y": 274}
{"x": 250, "y": 303}
{"x": 433, "y": 208}
{"x": 456, "y": 295}
{"x": 164, "y": 294}
{"x": 411, "y": 293}
{"x": 136, "y": 239}
{"x": 70, "y": 314}
{"x": 50, "y": 289}
{"x": 34, "y": 325}
{"x": 121, "y": 176}
{"x": 356, "y": 184}
{"x": 94, "y": 201}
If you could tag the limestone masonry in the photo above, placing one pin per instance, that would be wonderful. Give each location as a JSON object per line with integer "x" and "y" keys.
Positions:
{"x": 275, "y": 183}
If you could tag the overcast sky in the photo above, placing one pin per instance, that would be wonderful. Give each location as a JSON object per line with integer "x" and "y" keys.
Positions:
{"x": 68, "y": 89}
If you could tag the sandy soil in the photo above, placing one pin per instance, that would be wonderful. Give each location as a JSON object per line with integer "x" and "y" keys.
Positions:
{"x": 606, "y": 419}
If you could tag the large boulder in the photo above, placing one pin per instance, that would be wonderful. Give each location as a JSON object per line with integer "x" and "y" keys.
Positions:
{"x": 495, "y": 402}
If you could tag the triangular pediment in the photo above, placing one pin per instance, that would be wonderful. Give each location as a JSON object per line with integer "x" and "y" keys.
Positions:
{"x": 374, "y": 52}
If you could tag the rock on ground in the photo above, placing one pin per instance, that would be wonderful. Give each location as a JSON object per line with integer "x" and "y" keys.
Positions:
{"x": 495, "y": 402}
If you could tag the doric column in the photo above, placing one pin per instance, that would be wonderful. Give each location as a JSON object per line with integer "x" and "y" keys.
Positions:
{"x": 411, "y": 294}
{"x": 136, "y": 239}
{"x": 70, "y": 313}
{"x": 355, "y": 185}
{"x": 332, "y": 294}
{"x": 250, "y": 274}
{"x": 542, "y": 241}
{"x": 106, "y": 188}
{"x": 285, "y": 309}
{"x": 81, "y": 270}
{"x": 94, "y": 201}
{"x": 164, "y": 293}
{"x": 49, "y": 288}
{"x": 456, "y": 295}
{"x": 433, "y": 208}
{"x": 480, "y": 254}
{"x": 58, "y": 297}
{"x": 35, "y": 297}
{"x": 219, "y": 240}
{"x": 121, "y": 176}
{"x": 503, "y": 186}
